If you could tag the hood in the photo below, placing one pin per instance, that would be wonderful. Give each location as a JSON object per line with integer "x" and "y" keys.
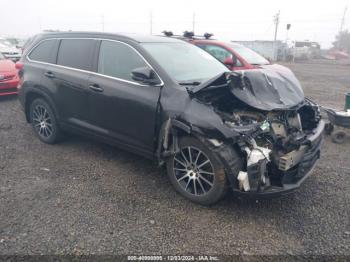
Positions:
{"x": 270, "y": 87}
{"x": 7, "y": 66}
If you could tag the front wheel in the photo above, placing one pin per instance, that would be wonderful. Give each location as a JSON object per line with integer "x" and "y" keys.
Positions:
{"x": 196, "y": 173}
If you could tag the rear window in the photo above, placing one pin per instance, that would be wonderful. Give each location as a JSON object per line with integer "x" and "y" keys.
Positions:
{"x": 76, "y": 53}
{"x": 44, "y": 52}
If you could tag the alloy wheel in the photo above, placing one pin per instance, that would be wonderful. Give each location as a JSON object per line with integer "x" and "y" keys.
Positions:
{"x": 193, "y": 171}
{"x": 42, "y": 121}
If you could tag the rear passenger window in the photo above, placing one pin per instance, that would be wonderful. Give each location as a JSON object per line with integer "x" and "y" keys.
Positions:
{"x": 118, "y": 60}
{"x": 76, "y": 53}
{"x": 45, "y": 52}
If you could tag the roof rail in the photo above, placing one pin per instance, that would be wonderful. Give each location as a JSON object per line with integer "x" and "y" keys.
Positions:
{"x": 188, "y": 35}
{"x": 168, "y": 33}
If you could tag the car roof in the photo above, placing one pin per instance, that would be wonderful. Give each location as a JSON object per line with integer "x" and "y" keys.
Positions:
{"x": 140, "y": 38}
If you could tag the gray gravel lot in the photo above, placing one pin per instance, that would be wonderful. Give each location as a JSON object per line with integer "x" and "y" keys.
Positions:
{"x": 84, "y": 197}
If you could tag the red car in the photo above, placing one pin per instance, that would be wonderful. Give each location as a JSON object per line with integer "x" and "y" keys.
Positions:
{"x": 8, "y": 77}
{"x": 234, "y": 56}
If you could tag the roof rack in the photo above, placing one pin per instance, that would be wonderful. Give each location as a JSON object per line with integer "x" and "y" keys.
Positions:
{"x": 188, "y": 35}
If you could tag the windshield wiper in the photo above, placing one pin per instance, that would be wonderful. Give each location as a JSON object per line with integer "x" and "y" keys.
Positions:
{"x": 190, "y": 83}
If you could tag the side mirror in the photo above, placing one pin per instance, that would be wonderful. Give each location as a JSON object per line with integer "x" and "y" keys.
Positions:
{"x": 230, "y": 61}
{"x": 145, "y": 75}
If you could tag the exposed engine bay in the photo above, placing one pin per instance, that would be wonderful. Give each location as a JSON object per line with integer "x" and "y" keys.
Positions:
{"x": 274, "y": 142}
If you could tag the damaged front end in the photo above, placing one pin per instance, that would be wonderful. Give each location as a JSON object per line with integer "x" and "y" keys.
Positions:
{"x": 280, "y": 150}
{"x": 277, "y": 131}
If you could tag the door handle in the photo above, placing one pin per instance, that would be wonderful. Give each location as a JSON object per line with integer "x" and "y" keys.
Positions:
{"x": 96, "y": 88}
{"x": 49, "y": 74}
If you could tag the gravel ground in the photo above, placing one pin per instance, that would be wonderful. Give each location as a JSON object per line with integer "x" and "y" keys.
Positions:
{"x": 83, "y": 197}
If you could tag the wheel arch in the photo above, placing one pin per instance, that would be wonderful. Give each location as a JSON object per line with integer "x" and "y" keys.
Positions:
{"x": 33, "y": 94}
{"x": 172, "y": 130}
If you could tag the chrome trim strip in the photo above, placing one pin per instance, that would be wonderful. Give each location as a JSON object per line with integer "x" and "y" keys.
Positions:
{"x": 91, "y": 72}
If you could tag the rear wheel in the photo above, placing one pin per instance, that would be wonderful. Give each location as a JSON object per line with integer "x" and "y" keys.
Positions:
{"x": 196, "y": 172}
{"x": 44, "y": 121}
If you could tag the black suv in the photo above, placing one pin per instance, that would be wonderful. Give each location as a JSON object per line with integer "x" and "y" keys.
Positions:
{"x": 251, "y": 131}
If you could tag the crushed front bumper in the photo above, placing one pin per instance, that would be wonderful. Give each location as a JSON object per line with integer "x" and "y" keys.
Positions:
{"x": 291, "y": 179}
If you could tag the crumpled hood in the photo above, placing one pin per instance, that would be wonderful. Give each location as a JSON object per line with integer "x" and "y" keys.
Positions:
{"x": 270, "y": 87}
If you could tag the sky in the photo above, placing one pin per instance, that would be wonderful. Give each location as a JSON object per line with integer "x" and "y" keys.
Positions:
{"x": 313, "y": 20}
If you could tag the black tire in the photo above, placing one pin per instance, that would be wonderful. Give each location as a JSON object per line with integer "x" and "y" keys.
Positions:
{"x": 181, "y": 177}
{"x": 44, "y": 122}
{"x": 339, "y": 136}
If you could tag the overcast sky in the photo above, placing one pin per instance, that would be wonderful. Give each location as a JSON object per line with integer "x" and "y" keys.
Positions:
{"x": 313, "y": 20}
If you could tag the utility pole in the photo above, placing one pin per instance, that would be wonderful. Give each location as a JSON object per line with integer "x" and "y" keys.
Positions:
{"x": 151, "y": 22}
{"x": 103, "y": 22}
{"x": 288, "y": 27}
{"x": 342, "y": 23}
{"x": 286, "y": 47}
{"x": 193, "y": 21}
{"x": 276, "y": 20}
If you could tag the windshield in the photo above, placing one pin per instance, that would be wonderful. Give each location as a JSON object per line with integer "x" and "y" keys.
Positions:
{"x": 185, "y": 62}
{"x": 1, "y": 56}
{"x": 249, "y": 55}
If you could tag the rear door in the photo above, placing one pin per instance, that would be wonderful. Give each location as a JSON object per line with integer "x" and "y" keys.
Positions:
{"x": 122, "y": 108}
{"x": 70, "y": 77}
{"x": 40, "y": 58}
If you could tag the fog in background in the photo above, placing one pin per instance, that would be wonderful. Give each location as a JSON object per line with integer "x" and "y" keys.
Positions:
{"x": 229, "y": 20}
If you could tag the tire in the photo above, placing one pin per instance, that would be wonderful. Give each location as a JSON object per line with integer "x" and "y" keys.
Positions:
{"x": 44, "y": 122}
{"x": 338, "y": 137}
{"x": 201, "y": 183}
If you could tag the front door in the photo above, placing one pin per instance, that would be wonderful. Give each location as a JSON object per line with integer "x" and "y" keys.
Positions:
{"x": 120, "y": 107}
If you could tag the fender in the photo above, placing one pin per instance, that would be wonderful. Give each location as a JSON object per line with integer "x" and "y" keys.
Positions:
{"x": 37, "y": 92}
{"x": 169, "y": 128}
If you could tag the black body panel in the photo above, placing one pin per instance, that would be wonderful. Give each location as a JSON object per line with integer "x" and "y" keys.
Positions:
{"x": 147, "y": 118}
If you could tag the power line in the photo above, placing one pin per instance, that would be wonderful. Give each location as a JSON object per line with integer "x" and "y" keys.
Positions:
{"x": 268, "y": 29}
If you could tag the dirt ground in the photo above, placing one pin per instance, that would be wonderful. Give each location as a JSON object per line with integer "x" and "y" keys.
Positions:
{"x": 326, "y": 84}
{"x": 84, "y": 197}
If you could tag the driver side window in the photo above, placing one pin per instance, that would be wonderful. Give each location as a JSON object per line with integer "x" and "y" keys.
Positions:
{"x": 118, "y": 60}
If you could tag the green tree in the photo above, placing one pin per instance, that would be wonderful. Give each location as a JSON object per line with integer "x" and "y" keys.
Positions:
{"x": 342, "y": 41}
